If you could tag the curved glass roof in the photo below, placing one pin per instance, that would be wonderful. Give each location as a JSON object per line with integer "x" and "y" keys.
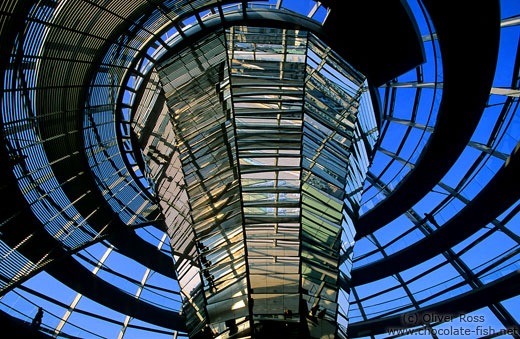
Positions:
{"x": 82, "y": 233}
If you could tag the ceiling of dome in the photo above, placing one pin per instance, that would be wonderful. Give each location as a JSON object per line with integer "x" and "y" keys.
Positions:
{"x": 82, "y": 230}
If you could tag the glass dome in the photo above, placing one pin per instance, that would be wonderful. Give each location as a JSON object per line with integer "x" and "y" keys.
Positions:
{"x": 85, "y": 233}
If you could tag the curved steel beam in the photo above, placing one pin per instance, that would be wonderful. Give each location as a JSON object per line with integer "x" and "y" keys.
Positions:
{"x": 74, "y": 275}
{"x": 496, "y": 291}
{"x": 131, "y": 245}
{"x": 23, "y": 329}
{"x": 36, "y": 244}
{"x": 500, "y": 193}
{"x": 379, "y": 38}
{"x": 465, "y": 94}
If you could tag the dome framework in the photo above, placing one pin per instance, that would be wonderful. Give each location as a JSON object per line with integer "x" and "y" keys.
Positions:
{"x": 437, "y": 231}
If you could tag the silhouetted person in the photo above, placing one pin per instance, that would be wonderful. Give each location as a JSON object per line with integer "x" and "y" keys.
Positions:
{"x": 205, "y": 261}
{"x": 37, "y": 318}
{"x": 321, "y": 314}
{"x": 314, "y": 309}
{"x": 430, "y": 218}
{"x": 233, "y": 328}
{"x": 202, "y": 247}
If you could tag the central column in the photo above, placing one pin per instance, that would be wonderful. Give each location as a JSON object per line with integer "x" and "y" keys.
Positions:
{"x": 258, "y": 142}
{"x": 267, "y": 80}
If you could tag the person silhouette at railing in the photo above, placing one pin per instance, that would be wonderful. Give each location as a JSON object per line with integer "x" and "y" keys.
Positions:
{"x": 36, "y": 322}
